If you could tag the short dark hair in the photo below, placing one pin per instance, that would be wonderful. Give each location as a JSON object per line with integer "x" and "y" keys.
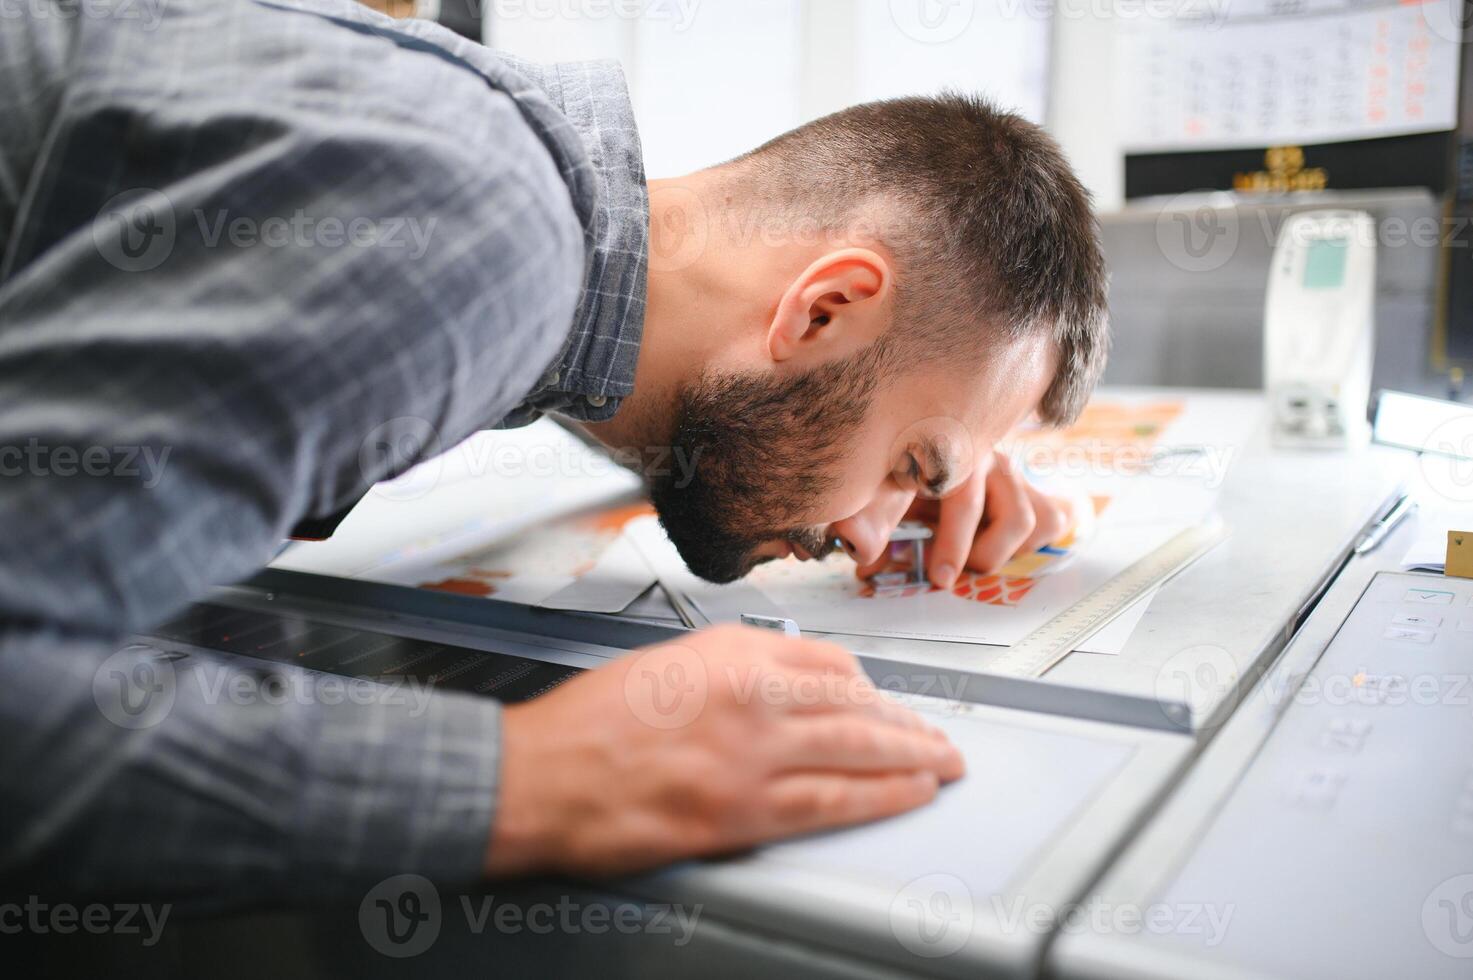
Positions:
{"x": 987, "y": 222}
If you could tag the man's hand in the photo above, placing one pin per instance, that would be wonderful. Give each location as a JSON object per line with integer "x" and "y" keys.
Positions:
{"x": 712, "y": 744}
{"x": 984, "y": 522}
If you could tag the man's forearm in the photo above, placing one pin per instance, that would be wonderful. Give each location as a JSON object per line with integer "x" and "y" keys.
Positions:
{"x": 151, "y": 313}
{"x": 210, "y": 781}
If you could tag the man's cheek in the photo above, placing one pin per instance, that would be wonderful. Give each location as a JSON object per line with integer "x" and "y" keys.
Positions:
{"x": 849, "y": 498}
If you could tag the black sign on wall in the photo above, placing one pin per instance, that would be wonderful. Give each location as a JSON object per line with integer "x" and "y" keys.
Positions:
{"x": 1420, "y": 160}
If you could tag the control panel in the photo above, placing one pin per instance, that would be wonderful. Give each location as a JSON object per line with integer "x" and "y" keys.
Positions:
{"x": 1345, "y": 848}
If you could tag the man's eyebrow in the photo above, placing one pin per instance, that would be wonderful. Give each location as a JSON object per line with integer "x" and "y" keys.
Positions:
{"x": 936, "y": 465}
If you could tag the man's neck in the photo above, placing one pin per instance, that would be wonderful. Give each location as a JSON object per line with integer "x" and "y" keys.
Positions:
{"x": 682, "y": 315}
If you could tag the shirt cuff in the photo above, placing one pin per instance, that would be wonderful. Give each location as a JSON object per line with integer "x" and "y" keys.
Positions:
{"x": 405, "y": 784}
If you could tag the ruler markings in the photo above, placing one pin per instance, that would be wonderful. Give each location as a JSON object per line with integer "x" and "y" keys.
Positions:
{"x": 1040, "y": 650}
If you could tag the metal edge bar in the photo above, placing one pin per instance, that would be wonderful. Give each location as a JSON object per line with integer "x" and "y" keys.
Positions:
{"x": 1029, "y": 694}
{"x": 1025, "y": 694}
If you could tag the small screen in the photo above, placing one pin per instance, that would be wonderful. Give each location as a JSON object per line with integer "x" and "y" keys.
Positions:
{"x": 1324, "y": 266}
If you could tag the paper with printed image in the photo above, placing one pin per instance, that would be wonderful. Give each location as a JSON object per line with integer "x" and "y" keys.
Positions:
{"x": 827, "y": 597}
{"x": 1160, "y": 455}
{"x": 581, "y": 562}
{"x": 535, "y": 509}
{"x": 1149, "y": 464}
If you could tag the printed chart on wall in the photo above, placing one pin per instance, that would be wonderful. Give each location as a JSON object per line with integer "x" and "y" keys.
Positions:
{"x": 1138, "y": 469}
{"x": 1255, "y": 73}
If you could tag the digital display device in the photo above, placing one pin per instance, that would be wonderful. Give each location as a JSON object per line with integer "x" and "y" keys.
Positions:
{"x": 1324, "y": 264}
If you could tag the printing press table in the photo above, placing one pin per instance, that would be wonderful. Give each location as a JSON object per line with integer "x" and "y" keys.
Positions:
{"x": 1083, "y": 842}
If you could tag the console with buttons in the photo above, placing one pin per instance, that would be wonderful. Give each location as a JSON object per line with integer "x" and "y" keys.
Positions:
{"x": 1343, "y": 847}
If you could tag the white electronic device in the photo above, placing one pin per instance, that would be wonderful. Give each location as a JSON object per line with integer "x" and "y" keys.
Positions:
{"x": 1319, "y": 330}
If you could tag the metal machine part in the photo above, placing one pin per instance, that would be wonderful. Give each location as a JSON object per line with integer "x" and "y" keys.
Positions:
{"x": 907, "y": 548}
{"x": 1050, "y": 793}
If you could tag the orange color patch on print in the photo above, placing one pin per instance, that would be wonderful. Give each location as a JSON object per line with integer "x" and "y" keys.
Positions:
{"x": 994, "y": 589}
{"x": 462, "y": 586}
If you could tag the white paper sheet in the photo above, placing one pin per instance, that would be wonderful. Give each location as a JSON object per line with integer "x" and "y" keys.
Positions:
{"x": 825, "y": 597}
{"x": 619, "y": 576}
{"x": 1154, "y": 458}
{"x": 1428, "y": 551}
{"x": 681, "y": 585}
{"x": 488, "y": 488}
{"x": 578, "y": 562}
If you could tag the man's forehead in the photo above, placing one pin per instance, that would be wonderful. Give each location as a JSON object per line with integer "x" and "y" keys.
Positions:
{"x": 1009, "y": 387}
{"x": 950, "y": 443}
{"x": 980, "y": 402}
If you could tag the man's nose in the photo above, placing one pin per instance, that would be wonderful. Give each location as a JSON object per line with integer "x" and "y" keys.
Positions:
{"x": 866, "y": 533}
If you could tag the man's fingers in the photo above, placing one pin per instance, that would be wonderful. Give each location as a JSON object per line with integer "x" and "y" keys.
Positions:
{"x": 803, "y": 691}
{"x": 817, "y": 678}
{"x": 887, "y": 709}
{"x": 806, "y": 802}
{"x": 1010, "y": 519}
{"x": 1051, "y": 519}
{"x": 815, "y": 655}
{"x": 856, "y": 694}
{"x": 859, "y": 744}
{"x": 956, "y": 532}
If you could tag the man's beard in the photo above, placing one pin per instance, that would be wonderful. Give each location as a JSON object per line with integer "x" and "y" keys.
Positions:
{"x": 760, "y": 452}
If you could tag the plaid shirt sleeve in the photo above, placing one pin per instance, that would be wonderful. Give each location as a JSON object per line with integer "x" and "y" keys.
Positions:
{"x": 256, "y": 256}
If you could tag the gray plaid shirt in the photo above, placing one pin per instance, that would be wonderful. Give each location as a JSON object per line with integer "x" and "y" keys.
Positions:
{"x": 243, "y": 242}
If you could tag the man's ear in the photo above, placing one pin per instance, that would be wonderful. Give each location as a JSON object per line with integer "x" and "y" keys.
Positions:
{"x": 836, "y": 306}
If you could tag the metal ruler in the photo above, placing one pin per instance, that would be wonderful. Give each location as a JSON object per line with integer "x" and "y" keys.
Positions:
{"x": 1033, "y": 655}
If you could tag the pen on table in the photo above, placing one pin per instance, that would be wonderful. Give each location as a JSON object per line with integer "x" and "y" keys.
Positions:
{"x": 1377, "y": 532}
